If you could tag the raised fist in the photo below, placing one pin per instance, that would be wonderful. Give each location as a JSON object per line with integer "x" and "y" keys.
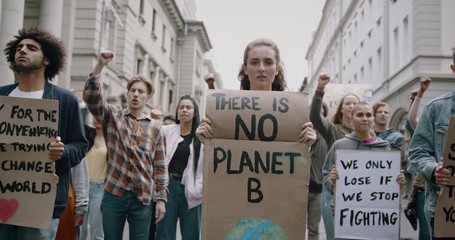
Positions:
{"x": 323, "y": 80}
{"x": 105, "y": 57}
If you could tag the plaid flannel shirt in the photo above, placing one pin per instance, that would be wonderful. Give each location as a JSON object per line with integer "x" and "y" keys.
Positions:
{"x": 135, "y": 149}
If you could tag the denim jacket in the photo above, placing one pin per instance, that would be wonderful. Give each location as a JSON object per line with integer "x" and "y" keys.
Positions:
{"x": 394, "y": 138}
{"x": 427, "y": 143}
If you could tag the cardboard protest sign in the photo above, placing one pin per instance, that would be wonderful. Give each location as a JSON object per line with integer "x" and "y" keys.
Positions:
{"x": 256, "y": 173}
{"x": 334, "y": 92}
{"x": 367, "y": 195}
{"x": 27, "y": 181}
{"x": 444, "y": 220}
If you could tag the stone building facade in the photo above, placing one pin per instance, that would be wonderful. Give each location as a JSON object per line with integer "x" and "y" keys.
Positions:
{"x": 149, "y": 37}
{"x": 389, "y": 44}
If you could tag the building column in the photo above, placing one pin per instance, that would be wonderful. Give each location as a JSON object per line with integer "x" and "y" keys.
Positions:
{"x": 67, "y": 35}
{"x": 12, "y": 18}
{"x": 50, "y": 19}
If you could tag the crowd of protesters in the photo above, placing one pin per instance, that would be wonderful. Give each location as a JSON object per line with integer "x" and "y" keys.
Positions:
{"x": 130, "y": 164}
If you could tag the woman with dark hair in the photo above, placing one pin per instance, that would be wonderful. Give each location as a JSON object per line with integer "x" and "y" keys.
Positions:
{"x": 184, "y": 157}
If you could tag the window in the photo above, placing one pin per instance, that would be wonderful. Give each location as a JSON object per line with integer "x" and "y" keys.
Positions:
{"x": 141, "y": 11}
{"x": 170, "y": 97}
{"x": 141, "y": 7}
{"x": 172, "y": 50}
{"x": 139, "y": 63}
{"x": 405, "y": 43}
{"x": 153, "y": 24}
{"x": 139, "y": 56}
{"x": 379, "y": 64}
{"x": 396, "y": 48}
{"x": 163, "y": 40}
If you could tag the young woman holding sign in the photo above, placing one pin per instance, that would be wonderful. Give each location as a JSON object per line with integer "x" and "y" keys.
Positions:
{"x": 261, "y": 70}
{"x": 360, "y": 139}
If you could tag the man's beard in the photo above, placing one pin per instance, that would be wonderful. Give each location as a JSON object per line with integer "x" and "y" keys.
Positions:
{"x": 27, "y": 67}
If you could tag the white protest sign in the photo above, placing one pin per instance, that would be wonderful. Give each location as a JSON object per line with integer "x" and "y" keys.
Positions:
{"x": 367, "y": 204}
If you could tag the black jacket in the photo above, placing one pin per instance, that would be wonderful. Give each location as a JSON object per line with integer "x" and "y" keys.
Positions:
{"x": 71, "y": 132}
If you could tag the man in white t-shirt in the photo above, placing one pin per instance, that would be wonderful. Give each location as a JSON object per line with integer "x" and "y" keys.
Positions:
{"x": 36, "y": 57}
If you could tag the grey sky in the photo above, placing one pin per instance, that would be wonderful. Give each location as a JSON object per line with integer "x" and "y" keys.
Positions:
{"x": 232, "y": 24}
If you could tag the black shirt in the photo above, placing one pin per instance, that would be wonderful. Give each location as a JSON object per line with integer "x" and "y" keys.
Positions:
{"x": 180, "y": 158}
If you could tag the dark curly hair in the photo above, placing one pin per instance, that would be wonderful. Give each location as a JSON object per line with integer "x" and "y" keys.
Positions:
{"x": 52, "y": 47}
{"x": 279, "y": 84}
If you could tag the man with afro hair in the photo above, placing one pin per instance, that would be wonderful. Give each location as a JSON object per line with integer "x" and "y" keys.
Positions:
{"x": 36, "y": 57}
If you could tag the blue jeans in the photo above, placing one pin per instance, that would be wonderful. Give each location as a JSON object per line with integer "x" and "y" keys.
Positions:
{"x": 327, "y": 213}
{"x": 177, "y": 208}
{"x": 424, "y": 226}
{"x": 12, "y": 232}
{"x": 93, "y": 214}
{"x": 116, "y": 210}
